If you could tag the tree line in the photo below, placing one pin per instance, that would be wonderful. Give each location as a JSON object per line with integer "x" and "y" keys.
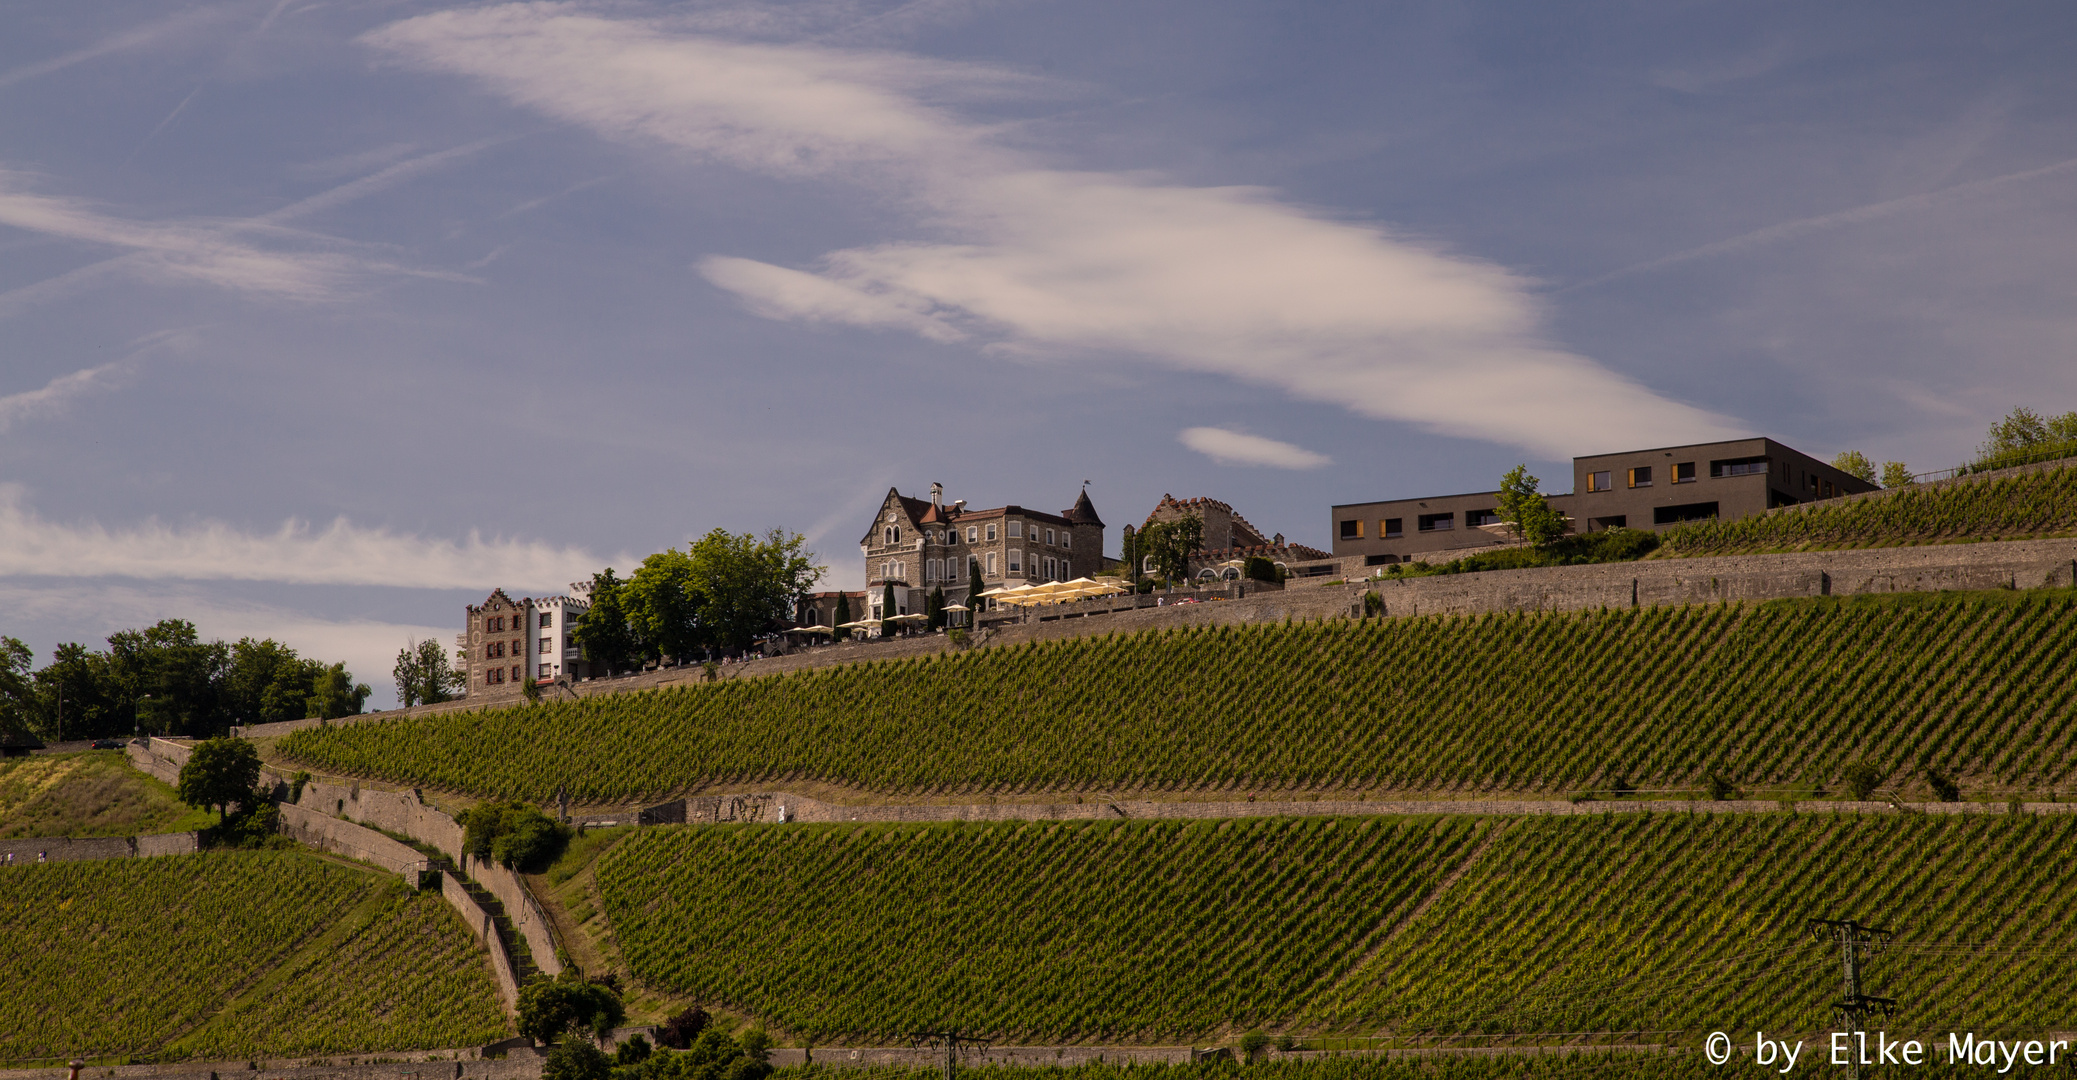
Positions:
{"x": 164, "y": 679}
{"x": 716, "y": 597}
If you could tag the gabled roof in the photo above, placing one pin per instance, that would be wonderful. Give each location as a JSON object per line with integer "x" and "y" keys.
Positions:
{"x": 912, "y": 509}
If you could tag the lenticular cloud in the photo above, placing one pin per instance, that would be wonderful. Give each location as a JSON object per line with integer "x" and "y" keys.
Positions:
{"x": 1011, "y": 251}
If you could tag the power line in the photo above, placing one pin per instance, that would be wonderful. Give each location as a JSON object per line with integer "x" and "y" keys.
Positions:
{"x": 1852, "y": 1010}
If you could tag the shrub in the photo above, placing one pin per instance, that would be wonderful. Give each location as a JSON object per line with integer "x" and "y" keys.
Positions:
{"x": 513, "y": 834}
{"x": 1721, "y": 789}
{"x": 633, "y": 1052}
{"x": 1252, "y": 1043}
{"x": 576, "y": 1060}
{"x": 1944, "y": 787}
{"x": 1862, "y": 778}
{"x": 1258, "y": 568}
{"x": 257, "y": 825}
{"x": 550, "y": 1009}
{"x": 679, "y": 1031}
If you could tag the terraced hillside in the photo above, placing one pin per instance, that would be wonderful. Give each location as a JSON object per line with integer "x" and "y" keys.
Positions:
{"x": 232, "y": 954}
{"x": 1158, "y": 931}
{"x": 1781, "y": 693}
{"x": 96, "y": 793}
{"x": 2030, "y": 503}
{"x": 1667, "y": 1064}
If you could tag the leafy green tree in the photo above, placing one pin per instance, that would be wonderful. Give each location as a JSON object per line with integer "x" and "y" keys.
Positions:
{"x": 663, "y": 601}
{"x": 608, "y": 639}
{"x": 552, "y": 1009}
{"x": 2022, "y": 433}
{"x": 1895, "y": 474}
{"x": 219, "y": 772}
{"x": 747, "y": 585}
{"x": 1855, "y": 464}
{"x": 266, "y": 681}
{"x": 934, "y": 606}
{"x": 843, "y": 616}
{"x": 1260, "y": 569}
{"x": 423, "y": 675}
{"x": 20, "y": 708}
{"x": 1129, "y": 548}
{"x": 334, "y": 694}
{"x": 181, "y": 674}
{"x": 576, "y": 1060}
{"x": 512, "y": 834}
{"x": 1524, "y": 508}
{"x": 77, "y": 683}
{"x": 1171, "y": 543}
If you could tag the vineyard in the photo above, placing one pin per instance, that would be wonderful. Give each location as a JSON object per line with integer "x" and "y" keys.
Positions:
{"x": 1677, "y": 924}
{"x": 1781, "y": 693}
{"x": 1105, "y": 931}
{"x": 122, "y": 957}
{"x": 1666, "y": 1064}
{"x": 2042, "y": 502}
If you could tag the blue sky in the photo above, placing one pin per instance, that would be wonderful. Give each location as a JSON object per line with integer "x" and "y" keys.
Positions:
{"x": 319, "y": 319}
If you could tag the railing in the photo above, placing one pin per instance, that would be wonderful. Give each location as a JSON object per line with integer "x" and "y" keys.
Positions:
{"x": 2060, "y": 450}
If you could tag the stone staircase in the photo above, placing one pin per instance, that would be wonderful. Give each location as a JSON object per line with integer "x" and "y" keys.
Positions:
{"x": 523, "y": 966}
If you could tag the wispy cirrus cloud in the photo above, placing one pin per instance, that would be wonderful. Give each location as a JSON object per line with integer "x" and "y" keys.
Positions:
{"x": 1014, "y": 253}
{"x": 52, "y": 396}
{"x": 341, "y": 553}
{"x": 1239, "y": 448}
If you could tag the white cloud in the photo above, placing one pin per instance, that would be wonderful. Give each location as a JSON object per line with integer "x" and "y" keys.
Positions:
{"x": 1238, "y": 448}
{"x": 53, "y": 394}
{"x": 1225, "y": 281}
{"x": 339, "y": 554}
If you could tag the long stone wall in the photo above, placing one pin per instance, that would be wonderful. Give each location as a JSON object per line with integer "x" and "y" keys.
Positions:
{"x": 528, "y": 920}
{"x": 25, "y": 851}
{"x": 458, "y": 1064}
{"x": 158, "y": 758}
{"x": 486, "y": 931}
{"x": 340, "y": 837}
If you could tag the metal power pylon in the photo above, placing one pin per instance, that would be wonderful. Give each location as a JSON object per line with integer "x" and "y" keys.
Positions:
{"x": 951, "y": 1041}
{"x": 1853, "y": 1009}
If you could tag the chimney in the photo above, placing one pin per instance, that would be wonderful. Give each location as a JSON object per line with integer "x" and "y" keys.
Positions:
{"x": 937, "y": 494}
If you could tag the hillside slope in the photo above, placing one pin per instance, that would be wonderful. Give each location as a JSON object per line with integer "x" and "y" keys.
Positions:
{"x": 2018, "y": 504}
{"x": 1783, "y": 693}
{"x": 127, "y": 957}
{"x": 97, "y": 793}
{"x": 1158, "y": 931}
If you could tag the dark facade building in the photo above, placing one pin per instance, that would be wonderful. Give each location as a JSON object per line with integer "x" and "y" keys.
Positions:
{"x": 1638, "y": 489}
{"x": 917, "y": 546}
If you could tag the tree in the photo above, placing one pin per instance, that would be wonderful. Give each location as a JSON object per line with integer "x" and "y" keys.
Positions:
{"x": 1259, "y": 568}
{"x": 1525, "y": 509}
{"x": 1895, "y": 474}
{"x": 843, "y": 616}
{"x": 516, "y": 835}
{"x": 603, "y": 631}
{"x": 1129, "y": 547}
{"x": 79, "y": 682}
{"x": 576, "y": 1060}
{"x": 181, "y": 674}
{"x": 748, "y": 585}
{"x": 887, "y": 610}
{"x": 423, "y": 675}
{"x": 974, "y": 585}
{"x": 662, "y": 603}
{"x": 219, "y": 772}
{"x": 265, "y": 681}
{"x": 2023, "y": 430}
{"x": 1855, "y": 464}
{"x": 934, "y": 606}
{"x": 19, "y": 704}
{"x": 334, "y": 694}
{"x": 550, "y": 1009}
{"x": 1171, "y": 543}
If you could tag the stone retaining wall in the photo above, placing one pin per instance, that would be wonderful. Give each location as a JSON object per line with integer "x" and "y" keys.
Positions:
{"x": 320, "y": 830}
{"x": 30, "y": 850}
{"x": 486, "y": 931}
{"x": 462, "y": 1064}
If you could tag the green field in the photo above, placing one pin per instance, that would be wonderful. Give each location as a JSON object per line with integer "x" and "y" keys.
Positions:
{"x": 96, "y": 793}
{"x": 1165, "y": 931}
{"x": 1685, "y": 1064}
{"x": 2032, "y": 504}
{"x": 141, "y": 957}
{"x": 1781, "y": 693}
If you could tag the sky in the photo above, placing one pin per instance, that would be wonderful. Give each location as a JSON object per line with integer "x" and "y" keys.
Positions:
{"x": 319, "y": 319}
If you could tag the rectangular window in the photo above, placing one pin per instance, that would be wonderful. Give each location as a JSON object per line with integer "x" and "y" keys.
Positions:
{"x": 1674, "y": 515}
{"x": 1641, "y": 476}
{"x": 545, "y": 672}
{"x": 1615, "y": 521}
{"x": 1352, "y": 530}
{"x": 991, "y": 532}
{"x": 1601, "y": 481}
{"x": 547, "y": 618}
{"x": 991, "y": 564}
{"x": 1828, "y": 489}
{"x": 1049, "y": 567}
{"x": 518, "y": 673}
{"x": 1016, "y": 530}
{"x": 970, "y": 533}
{"x": 1684, "y": 473}
{"x": 547, "y": 645}
{"x": 1475, "y": 518}
{"x": 1065, "y": 573}
{"x": 1438, "y": 522}
{"x": 1067, "y": 538}
{"x": 1049, "y": 536}
{"x": 1016, "y": 561}
{"x": 1392, "y": 527}
{"x": 1738, "y": 467}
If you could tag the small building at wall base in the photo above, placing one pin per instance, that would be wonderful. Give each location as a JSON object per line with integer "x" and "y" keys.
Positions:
{"x": 1653, "y": 489}
{"x": 507, "y": 640}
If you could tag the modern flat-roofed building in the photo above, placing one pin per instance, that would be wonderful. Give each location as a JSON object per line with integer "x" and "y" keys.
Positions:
{"x": 1638, "y": 489}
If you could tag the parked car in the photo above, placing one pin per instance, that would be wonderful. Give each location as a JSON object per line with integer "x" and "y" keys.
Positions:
{"x": 107, "y": 744}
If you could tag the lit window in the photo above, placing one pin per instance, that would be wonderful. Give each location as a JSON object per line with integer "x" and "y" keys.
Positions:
{"x": 1600, "y": 481}
{"x": 1641, "y": 476}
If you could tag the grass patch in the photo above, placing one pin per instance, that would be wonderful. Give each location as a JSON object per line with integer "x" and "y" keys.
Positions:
{"x": 92, "y": 793}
